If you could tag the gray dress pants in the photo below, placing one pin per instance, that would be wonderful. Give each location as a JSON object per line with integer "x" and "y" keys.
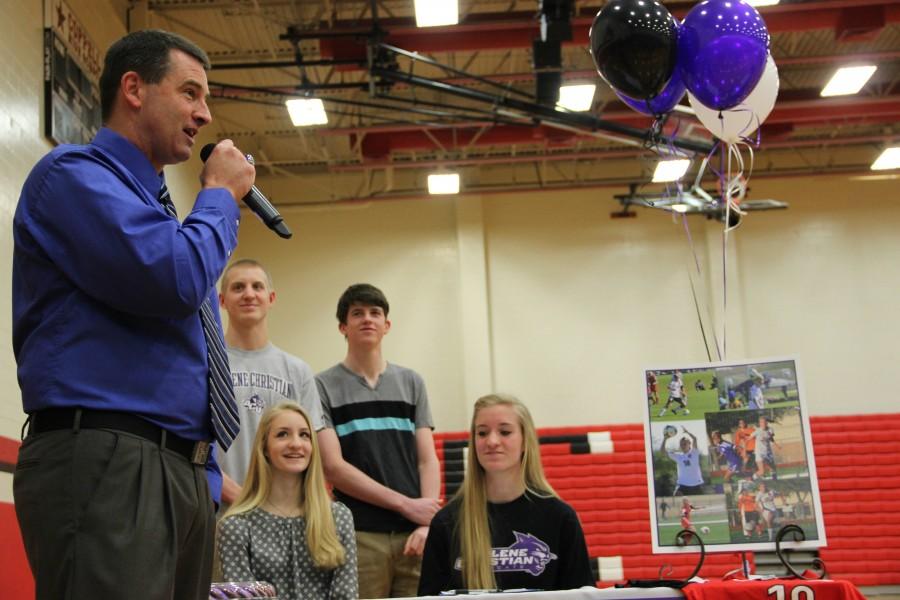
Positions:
{"x": 107, "y": 515}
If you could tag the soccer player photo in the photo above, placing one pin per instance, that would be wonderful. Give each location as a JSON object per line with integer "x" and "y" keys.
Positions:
{"x": 729, "y": 457}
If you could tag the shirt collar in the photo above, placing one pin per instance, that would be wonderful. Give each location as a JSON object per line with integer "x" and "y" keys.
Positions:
{"x": 130, "y": 156}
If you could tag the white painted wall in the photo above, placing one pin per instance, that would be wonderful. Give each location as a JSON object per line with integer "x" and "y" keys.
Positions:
{"x": 542, "y": 294}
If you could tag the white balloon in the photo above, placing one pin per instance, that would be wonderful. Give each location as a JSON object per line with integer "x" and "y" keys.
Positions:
{"x": 742, "y": 120}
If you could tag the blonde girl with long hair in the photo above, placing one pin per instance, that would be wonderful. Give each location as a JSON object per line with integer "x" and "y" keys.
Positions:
{"x": 506, "y": 527}
{"x": 283, "y": 527}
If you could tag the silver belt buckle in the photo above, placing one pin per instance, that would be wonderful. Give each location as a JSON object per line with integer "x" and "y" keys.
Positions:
{"x": 200, "y": 453}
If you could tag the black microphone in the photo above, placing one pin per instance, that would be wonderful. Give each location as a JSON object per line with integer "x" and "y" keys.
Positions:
{"x": 258, "y": 203}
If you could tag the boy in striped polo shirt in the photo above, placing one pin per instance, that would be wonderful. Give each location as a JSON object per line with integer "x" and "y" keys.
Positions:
{"x": 378, "y": 449}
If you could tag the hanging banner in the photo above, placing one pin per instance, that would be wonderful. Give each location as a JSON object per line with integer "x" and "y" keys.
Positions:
{"x": 729, "y": 456}
{"x": 72, "y": 65}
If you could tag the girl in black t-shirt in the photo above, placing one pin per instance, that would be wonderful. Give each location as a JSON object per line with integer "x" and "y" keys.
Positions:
{"x": 506, "y": 527}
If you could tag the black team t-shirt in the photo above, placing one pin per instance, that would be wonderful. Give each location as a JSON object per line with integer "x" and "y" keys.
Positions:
{"x": 537, "y": 544}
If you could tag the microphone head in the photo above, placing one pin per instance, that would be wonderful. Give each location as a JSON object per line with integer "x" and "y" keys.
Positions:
{"x": 206, "y": 151}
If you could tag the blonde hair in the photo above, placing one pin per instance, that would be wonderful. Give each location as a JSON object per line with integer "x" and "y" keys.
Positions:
{"x": 245, "y": 262}
{"x": 325, "y": 548}
{"x": 473, "y": 528}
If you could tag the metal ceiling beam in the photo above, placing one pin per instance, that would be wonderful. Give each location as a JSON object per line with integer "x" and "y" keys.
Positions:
{"x": 518, "y": 29}
{"x": 378, "y": 145}
{"x": 804, "y": 108}
{"x": 400, "y": 127}
{"x": 490, "y": 160}
{"x": 280, "y": 64}
{"x": 500, "y": 104}
{"x": 618, "y": 182}
{"x": 549, "y": 114}
{"x": 799, "y": 106}
{"x": 872, "y": 108}
{"x": 598, "y": 154}
{"x": 781, "y": 61}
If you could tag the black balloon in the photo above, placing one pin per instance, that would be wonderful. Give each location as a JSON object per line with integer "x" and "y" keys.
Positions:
{"x": 633, "y": 43}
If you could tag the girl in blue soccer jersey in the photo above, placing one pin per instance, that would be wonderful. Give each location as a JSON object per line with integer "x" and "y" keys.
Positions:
{"x": 723, "y": 450}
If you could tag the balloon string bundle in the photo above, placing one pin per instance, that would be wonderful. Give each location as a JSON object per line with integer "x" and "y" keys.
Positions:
{"x": 661, "y": 144}
{"x": 733, "y": 181}
{"x": 719, "y": 56}
{"x": 697, "y": 308}
{"x": 697, "y": 271}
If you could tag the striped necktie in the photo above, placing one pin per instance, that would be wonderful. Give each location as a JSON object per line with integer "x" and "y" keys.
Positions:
{"x": 223, "y": 407}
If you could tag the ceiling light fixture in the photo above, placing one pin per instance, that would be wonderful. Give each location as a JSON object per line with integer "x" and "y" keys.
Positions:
{"x": 443, "y": 183}
{"x": 889, "y": 159}
{"x": 670, "y": 170}
{"x": 576, "y": 97}
{"x": 306, "y": 111}
{"x": 763, "y": 2}
{"x": 848, "y": 80}
{"x": 432, "y": 13}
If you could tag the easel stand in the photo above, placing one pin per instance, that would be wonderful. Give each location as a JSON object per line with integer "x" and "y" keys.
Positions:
{"x": 798, "y": 536}
{"x": 687, "y": 537}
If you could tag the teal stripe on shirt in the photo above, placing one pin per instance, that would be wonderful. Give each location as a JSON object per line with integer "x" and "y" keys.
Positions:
{"x": 375, "y": 424}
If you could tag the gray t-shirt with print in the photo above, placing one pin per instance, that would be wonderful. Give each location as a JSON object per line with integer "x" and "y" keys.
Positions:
{"x": 262, "y": 379}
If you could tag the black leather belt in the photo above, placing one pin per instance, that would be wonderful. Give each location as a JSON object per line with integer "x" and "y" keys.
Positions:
{"x": 54, "y": 419}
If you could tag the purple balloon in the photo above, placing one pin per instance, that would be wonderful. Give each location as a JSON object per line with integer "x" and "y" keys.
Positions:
{"x": 722, "y": 50}
{"x": 661, "y": 103}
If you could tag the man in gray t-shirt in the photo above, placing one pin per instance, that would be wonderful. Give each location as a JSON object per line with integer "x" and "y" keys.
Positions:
{"x": 263, "y": 374}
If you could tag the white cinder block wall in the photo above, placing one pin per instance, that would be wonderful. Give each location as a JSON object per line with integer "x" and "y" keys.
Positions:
{"x": 552, "y": 300}
{"x": 539, "y": 294}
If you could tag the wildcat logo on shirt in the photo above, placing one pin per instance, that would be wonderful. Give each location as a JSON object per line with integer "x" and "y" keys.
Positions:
{"x": 527, "y": 553}
{"x": 255, "y": 403}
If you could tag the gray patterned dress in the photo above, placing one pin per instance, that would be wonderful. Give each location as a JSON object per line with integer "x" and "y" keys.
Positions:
{"x": 260, "y": 546}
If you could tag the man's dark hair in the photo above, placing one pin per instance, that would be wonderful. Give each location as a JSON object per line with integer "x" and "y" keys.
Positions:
{"x": 360, "y": 293}
{"x": 145, "y": 52}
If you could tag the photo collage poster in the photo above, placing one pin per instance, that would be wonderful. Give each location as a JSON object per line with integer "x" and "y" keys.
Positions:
{"x": 729, "y": 456}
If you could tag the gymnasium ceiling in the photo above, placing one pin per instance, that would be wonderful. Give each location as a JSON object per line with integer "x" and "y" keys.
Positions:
{"x": 383, "y": 138}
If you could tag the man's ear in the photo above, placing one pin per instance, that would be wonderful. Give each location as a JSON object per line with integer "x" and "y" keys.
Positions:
{"x": 132, "y": 88}
{"x": 387, "y": 326}
{"x": 342, "y": 327}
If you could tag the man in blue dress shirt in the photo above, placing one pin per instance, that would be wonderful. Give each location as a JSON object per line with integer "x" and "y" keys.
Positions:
{"x": 113, "y": 488}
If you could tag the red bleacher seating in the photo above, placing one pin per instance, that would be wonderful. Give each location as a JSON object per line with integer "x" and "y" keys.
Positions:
{"x": 859, "y": 481}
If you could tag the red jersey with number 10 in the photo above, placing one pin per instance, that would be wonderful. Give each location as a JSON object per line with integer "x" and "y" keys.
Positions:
{"x": 773, "y": 589}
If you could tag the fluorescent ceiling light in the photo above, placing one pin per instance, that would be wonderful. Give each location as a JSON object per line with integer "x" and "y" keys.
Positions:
{"x": 671, "y": 170}
{"x": 578, "y": 97}
{"x": 680, "y": 208}
{"x": 443, "y": 183}
{"x": 307, "y": 111}
{"x": 762, "y": 2}
{"x": 431, "y": 13}
{"x": 889, "y": 159}
{"x": 848, "y": 80}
